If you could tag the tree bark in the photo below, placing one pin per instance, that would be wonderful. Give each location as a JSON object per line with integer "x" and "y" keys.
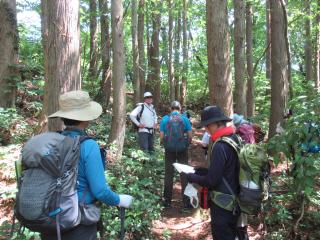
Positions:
{"x": 239, "y": 57}
{"x": 219, "y": 72}
{"x": 170, "y": 51}
{"x": 106, "y": 82}
{"x": 317, "y": 54}
{"x": 308, "y": 44}
{"x": 183, "y": 88}
{"x": 279, "y": 61}
{"x": 61, "y": 41}
{"x": 9, "y": 74}
{"x": 93, "y": 64}
{"x": 135, "y": 50}
{"x": 142, "y": 65}
{"x": 177, "y": 68}
{"x": 268, "y": 37}
{"x": 119, "y": 95}
{"x": 154, "y": 84}
{"x": 249, "y": 39}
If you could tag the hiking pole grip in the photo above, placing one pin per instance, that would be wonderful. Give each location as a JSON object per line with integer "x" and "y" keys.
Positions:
{"x": 122, "y": 218}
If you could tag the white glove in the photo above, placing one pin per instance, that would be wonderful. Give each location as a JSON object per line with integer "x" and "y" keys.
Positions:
{"x": 125, "y": 200}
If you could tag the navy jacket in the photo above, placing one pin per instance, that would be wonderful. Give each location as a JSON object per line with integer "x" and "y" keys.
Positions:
{"x": 223, "y": 163}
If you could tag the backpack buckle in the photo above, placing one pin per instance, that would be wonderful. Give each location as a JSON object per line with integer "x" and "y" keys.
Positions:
{"x": 59, "y": 182}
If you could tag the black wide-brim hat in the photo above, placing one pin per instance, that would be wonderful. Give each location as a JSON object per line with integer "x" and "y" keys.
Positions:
{"x": 212, "y": 114}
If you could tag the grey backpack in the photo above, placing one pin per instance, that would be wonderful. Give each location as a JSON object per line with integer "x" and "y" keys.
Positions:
{"x": 47, "y": 198}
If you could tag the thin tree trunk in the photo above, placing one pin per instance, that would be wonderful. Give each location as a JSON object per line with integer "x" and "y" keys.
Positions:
{"x": 268, "y": 37}
{"x": 279, "y": 76}
{"x": 61, "y": 37}
{"x": 308, "y": 44}
{"x": 142, "y": 65}
{"x": 317, "y": 55}
{"x": 119, "y": 95}
{"x": 170, "y": 62}
{"x": 8, "y": 53}
{"x": 106, "y": 80}
{"x": 249, "y": 39}
{"x": 154, "y": 70}
{"x": 135, "y": 50}
{"x": 183, "y": 89}
{"x": 177, "y": 68}
{"x": 93, "y": 65}
{"x": 287, "y": 48}
{"x": 239, "y": 57}
{"x": 219, "y": 72}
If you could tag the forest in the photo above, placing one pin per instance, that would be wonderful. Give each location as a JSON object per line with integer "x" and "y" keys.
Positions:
{"x": 256, "y": 58}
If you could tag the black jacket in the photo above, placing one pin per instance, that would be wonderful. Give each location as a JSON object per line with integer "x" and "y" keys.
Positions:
{"x": 223, "y": 163}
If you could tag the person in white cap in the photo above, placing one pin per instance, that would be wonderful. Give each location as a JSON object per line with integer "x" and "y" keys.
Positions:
{"x": 76, "y": 111}
{"x": 144, "y": 117}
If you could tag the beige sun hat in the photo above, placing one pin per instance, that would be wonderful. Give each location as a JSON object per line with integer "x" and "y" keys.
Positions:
{"x": 76, "y": 105}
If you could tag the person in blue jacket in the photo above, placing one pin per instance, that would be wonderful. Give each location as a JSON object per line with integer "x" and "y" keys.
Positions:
{"x": 176, "y": 135}
{"x": 76, "y": 111}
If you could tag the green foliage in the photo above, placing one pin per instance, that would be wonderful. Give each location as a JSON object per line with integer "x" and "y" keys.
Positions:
{"x": 139, "y": 175}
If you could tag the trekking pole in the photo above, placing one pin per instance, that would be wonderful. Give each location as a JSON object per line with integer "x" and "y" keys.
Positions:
{"x": 122, "y": 218}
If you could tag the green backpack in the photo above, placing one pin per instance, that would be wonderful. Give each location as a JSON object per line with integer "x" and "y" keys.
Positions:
{"x": 253, "y": 178}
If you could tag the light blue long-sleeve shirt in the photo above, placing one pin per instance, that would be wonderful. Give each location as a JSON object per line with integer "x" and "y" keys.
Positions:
{"x": 91, "y": 177}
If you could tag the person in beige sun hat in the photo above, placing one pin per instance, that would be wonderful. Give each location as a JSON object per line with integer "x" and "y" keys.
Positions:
{"x": 76, "y": 111}
{"x": 76, "y": 105}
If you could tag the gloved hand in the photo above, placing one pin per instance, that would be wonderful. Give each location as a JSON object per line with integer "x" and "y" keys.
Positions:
{"x": 125, "y": 200}
{"x": 201, "y": 171}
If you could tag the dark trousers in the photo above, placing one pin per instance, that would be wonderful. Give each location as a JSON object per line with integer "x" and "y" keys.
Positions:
{"x": 223, "y": 223}
{"x": 82, "y": 232}
{"x": 170, "y": 158}
{"x": 146, "y": 141}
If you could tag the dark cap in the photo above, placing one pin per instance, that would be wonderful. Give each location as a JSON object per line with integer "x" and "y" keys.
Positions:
{"x": 212, "y": 114}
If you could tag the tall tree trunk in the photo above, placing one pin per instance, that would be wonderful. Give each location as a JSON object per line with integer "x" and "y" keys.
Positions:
{"x": 249, "y": 39}
{"x": 135, "y": 50}
{"x": 106, "y": 83}
{"x": 279, "y": 61}
{"x": 308, "y": 44}
{"x": 93, "y": 65}
{"x": 268, "y": 37}
{"x": 8, "y": 53}
{"x": 154, "y": 83}
{"x": 177, "y": 43}
{"x": 317, "y": 55}
{"x": 118, "y": 125}
{"x": 142, "y": 65}
{"x": 61, "y": 41}
{"x": 170, "y": 62}
{"x": 219, "y": 72}
{"x": 183, "y": 89}
{"x": 239, "y": 57}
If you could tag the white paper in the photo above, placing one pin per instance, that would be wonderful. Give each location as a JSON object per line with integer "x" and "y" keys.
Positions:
{"x": 183, "y": 168}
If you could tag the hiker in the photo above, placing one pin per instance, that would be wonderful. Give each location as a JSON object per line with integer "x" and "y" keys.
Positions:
{"x": 176, "y": 135}
{"x": 145, "y": 118}
{"x": 76, "y": 112}
{"x": 243, "y": 128}
{"x": 205, "y": 143}
{"x": 224, "y": 167}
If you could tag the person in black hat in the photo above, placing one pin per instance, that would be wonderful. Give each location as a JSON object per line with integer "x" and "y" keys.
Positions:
{"x": 224, "y": 167}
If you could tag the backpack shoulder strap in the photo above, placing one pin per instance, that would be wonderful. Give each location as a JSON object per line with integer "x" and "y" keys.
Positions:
{"x": 141, "y": 111}
{"x": 231, "y": 142}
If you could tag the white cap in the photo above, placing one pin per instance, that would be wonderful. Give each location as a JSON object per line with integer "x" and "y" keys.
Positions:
{"x": 147, "y": 94}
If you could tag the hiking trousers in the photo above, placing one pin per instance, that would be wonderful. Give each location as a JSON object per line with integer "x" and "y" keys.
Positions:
{"x": 80, "y": 232}
{"x": 223, "y": 223}
{"x": 170, "y": 158}
{"x": 146, "y": 141}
